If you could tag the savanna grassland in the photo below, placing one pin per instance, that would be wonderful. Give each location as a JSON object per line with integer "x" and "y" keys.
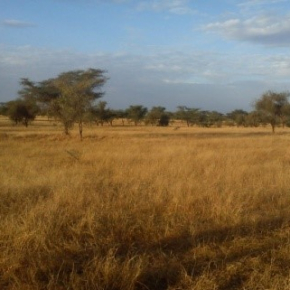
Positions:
{"x": 144, "y": 208}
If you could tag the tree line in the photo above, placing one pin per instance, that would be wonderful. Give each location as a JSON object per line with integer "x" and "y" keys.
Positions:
{"x": 72, "y": 98}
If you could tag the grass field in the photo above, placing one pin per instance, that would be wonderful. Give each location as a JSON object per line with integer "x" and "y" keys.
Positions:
{"x": 144, "y": 208}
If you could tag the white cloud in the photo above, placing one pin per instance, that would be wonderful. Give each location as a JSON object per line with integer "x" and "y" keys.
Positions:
{"x": 16, "y": 23}
{"x": 198, "y": 66}
{"x": 252, "y": 3}
{"x": 168, "y": 78}
{"x": 263, "y": 29}
{"x": 172, "y": 6}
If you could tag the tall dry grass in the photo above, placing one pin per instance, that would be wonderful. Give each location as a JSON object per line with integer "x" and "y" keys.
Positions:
{"x": 144, "y": 208}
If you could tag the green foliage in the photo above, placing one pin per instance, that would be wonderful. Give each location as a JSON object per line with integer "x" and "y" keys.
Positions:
{"x": 215, "y": 119}
{"x": 157, "y": 116}
{"x": 238, "y": 116}
{"x": 154, "y": 115}
{"x": 164, "y": 120}
{"x": 209, "y": 119}
{"x": 71, "y": 96}
{"x": 68, "y": 97}
{"x": 22, "y": 111}
{"x": 136, "y": 113}
{"x": 274, "y": 107}
{"x": 255, "y": 119}
{"x": 103, "y": 114}
{"x": 120, "y": 114}
{"x": 42, "y": 93}
{"x": 189, "y": 115}
{"x": 76, "y": 95}
{"x": 3, "y": 109}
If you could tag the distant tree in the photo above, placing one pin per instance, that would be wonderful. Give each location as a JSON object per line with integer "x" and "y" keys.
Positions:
{"x": 238, "y": 116}
{"x": 255, "y": 119}
{"x": 188, "y": 115}
{"x": 3, "y": 109}
{"x": 214, "y": 118}
{"x": 68, "y": 97}
{"x": 202, "y": 119}
{"x": 274, "y": 107}
{"x": 136, "y": 113}
{"x": 154, "y": 115}
{"x": 22, "y": 111}
{"x": 121, "y": 114}
{"x": 210, "y": 119}
{"x": 103, "y": 114}
{"x": 77, "y": 95}
{"x": 44, "y": 93}
{"x": 164, "y": 120}
{"x": 158, "y": 116}
{"x": 25, "y": 108}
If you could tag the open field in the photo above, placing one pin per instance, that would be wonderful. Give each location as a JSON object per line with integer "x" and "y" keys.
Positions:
{"x": 144, "y": 208}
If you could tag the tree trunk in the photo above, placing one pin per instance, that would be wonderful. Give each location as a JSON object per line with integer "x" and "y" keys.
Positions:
{"x": 273, "y": 128}
{"x": 66, "y": 129}
{"x": 283, "y": 121}
{"x": 81, "y": 130}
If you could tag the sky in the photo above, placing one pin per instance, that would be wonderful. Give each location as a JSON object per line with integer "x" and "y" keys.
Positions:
{"x": 209, "y": 54}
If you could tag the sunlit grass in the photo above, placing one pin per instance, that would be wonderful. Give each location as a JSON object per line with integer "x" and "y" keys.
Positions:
{"x": 144, "y": 208}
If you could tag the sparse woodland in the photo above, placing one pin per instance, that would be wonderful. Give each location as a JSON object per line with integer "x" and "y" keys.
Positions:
{"x": 72, "y": 97}
{"x": 147, "y": 207}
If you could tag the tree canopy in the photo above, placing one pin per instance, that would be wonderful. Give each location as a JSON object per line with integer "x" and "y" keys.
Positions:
{"x": 189, "y": 115}
{"x": 103, "y": 114}
{"x": 69, "y": 96}
{"x": 22, "y": 111}
{"x": 136, "y": 113}
{"x": 274, "y": 107}
{"x": 158, "y": 116}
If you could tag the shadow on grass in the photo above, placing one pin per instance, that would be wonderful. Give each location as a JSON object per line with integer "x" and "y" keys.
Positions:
{"x": 17, "y": 201}
{"x": 207, "y": 135}
{"x": 230, "y": 245}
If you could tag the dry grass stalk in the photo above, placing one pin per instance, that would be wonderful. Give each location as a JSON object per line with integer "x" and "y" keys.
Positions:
{"x": 145, "y": 208}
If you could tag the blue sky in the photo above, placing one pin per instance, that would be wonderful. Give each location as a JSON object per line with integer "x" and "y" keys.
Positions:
{"x": 213, "y": 55}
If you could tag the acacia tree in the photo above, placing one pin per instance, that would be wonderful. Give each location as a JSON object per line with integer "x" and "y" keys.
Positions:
{"x": 136, "y": 113}
{"x": 103, "y": 114}
{"x": 274, "y": 107}
{"x": 68, "y": 97}
{"x": 3, "y": 109}
{"x": 189, "y": 115}
{"x": 154, "y": 115}
{"x": 120, "y": 114}
{"x": 238, "y": 116}
{"x": 158, "y": 116}
{"x": 22, "y": 111}
{"x": 77, "y": 95}
{"x": 214, "y": 118}
{"x": 255, "y": 119}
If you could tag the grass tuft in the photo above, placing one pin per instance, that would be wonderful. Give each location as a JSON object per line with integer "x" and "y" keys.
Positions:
{"x": 145, "y": 208}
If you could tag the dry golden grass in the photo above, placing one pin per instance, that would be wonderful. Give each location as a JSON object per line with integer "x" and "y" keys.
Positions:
{"x": 144, "y": 208}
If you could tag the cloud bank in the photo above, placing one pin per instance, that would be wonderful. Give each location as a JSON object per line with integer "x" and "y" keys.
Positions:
{"x": 263, "y": 29}
{"x": 213, "y": 75}
{"x": 13, "y": 23}
{"x": 180, "y": 7}
{"x": 197, "y": 79}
